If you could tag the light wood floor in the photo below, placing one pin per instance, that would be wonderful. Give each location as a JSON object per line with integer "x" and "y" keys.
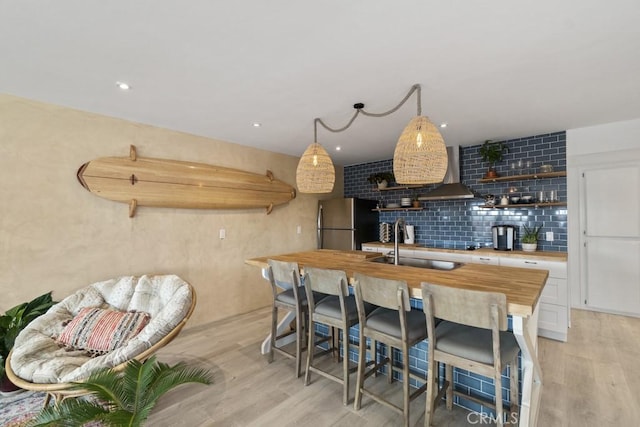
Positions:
{"x": 592, "y": 380}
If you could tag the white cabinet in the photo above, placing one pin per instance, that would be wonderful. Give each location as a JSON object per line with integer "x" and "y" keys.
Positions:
{"x": 372, "y": 247}
{"x": 442, "y": 256}
{"x": 485, "y": 259}
{"x": 554, "y": 315}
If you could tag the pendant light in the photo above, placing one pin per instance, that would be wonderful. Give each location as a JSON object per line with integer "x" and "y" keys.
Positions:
{"x": 420, "y": 156}
{"x": 315, "y": 173}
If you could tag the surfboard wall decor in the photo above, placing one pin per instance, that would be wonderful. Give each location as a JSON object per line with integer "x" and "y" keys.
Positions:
{"x": 177, "y": 184}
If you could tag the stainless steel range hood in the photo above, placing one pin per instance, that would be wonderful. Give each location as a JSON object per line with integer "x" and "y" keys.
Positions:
{"x": 451, "y": 188}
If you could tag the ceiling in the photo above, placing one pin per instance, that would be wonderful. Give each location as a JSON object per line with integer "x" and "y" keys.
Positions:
{"x": 492, "y": 70}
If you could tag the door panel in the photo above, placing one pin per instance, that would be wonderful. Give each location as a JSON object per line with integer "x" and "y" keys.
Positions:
{"x": 338, "y": 239}
{"x": 610, "y": 249}
{"x": 337, "y": 213}
{"x": 613, "y": 201}
{"x": 613, "y": 269}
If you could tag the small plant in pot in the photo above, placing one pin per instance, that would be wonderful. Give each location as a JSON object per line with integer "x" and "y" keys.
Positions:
{"x": 530, "y": 238}
{"x": 381, "y": 178}
{"x": 415, "y": 201}
{"x": 492, "y": 153}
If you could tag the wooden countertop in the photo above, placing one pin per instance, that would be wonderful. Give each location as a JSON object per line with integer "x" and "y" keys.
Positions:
{"x": 521, "y": 286}
{"x": 541, "y": 255}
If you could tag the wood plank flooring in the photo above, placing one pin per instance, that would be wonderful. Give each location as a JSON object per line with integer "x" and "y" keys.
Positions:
{"x": 592, "y": 380}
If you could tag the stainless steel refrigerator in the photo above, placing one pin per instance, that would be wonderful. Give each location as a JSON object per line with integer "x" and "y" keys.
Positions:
{"x": 346, "y": 223}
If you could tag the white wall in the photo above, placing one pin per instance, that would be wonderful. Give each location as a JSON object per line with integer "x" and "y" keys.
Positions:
{"x": 55, "y": 235}
{"x": 593, "y": 145}
{"x": 603, "y": 138}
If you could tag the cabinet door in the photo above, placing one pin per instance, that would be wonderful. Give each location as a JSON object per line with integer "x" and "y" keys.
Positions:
{"x": 484, "y": 259}
{"x": 556, "y": 268}
{"x": 380, "y": 249}
{"x": 442, "y": 256}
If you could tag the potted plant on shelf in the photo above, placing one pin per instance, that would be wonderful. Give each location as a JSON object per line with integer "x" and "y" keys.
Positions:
{"x": 530, "y": 238}
{"x": 415, "y": 201}
{"x": 381, "y": 178}
{"x": 11, "y": 323}
{"x": 492, "y": 153}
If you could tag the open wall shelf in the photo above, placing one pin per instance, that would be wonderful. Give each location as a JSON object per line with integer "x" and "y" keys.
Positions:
{"x": 524, "y": 177}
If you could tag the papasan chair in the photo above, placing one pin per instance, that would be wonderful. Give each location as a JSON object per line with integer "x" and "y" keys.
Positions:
{"x": 103, "y": 325}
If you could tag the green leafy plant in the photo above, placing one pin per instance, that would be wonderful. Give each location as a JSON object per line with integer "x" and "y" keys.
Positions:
{"x": 16, "y": 318}
{"x": 124, "y": 398}
{"x": 531, "y": 234}
{"x": 378, "y": 177}
{"x": 492, "y": 152}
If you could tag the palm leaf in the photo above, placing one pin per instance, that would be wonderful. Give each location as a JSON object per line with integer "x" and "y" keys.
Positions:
{"x": 107, "y": 386}
{"x": 129, "y": 395}
{"x": 70, "y": 413}
{"x": 173, "y": 376}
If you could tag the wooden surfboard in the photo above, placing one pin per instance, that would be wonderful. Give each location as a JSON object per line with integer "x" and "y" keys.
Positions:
{"x": 178, "y": 184}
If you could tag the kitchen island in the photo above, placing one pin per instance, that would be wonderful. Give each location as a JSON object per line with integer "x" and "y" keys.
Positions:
{"x": 522, "y": 288}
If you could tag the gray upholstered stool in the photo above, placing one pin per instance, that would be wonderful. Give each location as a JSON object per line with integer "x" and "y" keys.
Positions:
{"x": 393, "y": 323}
{"x": 473, "y": 336}
{"x": 286, "y": 276}
{"x": 338, "y": 311}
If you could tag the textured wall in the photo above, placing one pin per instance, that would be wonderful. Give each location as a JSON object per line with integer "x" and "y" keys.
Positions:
{"x": 461, "y": 223}
{"x": 57, "y": 236}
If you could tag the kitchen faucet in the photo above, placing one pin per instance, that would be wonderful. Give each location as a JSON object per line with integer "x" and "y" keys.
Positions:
{"x": 396, "y": 251}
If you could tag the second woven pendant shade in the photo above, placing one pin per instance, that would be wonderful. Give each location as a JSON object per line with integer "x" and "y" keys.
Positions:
{"x": 420, "y": 156}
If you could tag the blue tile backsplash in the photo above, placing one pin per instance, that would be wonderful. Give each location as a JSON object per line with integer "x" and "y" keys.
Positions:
{"x": 462, "y": 223}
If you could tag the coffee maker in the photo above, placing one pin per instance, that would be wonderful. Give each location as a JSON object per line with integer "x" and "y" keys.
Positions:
{"x": 504, "y": 237}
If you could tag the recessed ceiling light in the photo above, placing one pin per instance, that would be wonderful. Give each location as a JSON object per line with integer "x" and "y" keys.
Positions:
{"x": 338, "y": 148}
{"x": 123, "y": 85}
{"x": 443, "y": 125}
{"x": 256, "y": 125}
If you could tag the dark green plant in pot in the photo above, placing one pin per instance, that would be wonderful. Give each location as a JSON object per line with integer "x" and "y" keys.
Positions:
{"x": 531, "y": 235}
{"x": 124, "y": 398}
{"x": 492, "y": 153}
{"x": 378, "y": 177}
{"x": 15, "y": 319}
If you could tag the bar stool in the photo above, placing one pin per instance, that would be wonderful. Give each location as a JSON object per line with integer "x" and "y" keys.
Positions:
{"x": 472, "y": 335}
{"x": 338, "y": 311}
{"x": 286, "y": 276}
{"x": 393, "y": 323}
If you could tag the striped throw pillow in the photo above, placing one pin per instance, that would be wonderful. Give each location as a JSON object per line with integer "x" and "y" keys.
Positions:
{"x": 99, "y": 331}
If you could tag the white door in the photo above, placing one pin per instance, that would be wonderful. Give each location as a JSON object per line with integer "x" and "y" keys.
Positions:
{"x": 610, "y": 224}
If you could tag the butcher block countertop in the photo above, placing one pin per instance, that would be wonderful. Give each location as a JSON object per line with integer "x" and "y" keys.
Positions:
{"x": 521, "y": 286}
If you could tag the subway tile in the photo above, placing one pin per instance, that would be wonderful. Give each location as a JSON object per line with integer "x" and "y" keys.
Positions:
{"x": 459, "y": 223}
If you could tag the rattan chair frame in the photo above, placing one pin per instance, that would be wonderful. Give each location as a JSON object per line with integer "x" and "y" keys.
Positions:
{"x": 61, "y": 391}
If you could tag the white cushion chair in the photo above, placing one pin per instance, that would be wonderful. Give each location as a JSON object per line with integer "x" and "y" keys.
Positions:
{"x": 39, "y": 363}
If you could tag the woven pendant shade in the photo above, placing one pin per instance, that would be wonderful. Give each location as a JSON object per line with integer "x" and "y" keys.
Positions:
{"x": 420, "y": 156}
{"x": 315, "y": 173}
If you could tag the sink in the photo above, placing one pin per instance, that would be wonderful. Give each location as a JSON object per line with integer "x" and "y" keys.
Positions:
{"x": 420, "y": 263}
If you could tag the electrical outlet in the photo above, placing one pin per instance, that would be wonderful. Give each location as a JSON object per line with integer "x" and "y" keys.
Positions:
{"x": 299, "y": 229}
{"x": 549, "y": 236}
{"x": 223, "y": 233}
